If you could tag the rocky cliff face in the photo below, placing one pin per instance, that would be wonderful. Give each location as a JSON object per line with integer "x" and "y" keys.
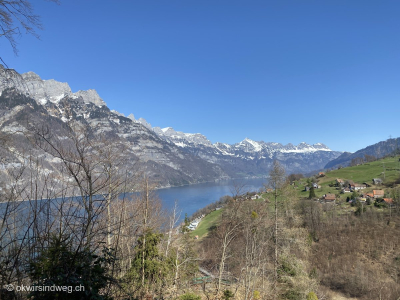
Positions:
{"x": 43, "y": 91}
{"x": 27, "y": 101}
{"x": 168, "y": 156}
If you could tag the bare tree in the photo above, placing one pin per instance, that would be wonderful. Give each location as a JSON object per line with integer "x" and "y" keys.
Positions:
{"x": 172, "y": 225}
{"x": 226, "y": 233}
{"x": 277, "y": 179}
{"x": 17, "y": 17}
{"x": 256, "y": 238}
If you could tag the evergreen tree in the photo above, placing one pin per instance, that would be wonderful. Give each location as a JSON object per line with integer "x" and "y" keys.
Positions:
{"x": 312, "y": 193}
{"x": 149, "y": 269}
{"x": 227, "y": 295}
{"x": 81, "y": 272}
{"x": 186, "y": 224}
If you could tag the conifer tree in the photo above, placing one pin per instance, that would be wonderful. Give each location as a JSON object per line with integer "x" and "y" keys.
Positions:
{"x": 81, "y": 273}
{"x": 155, "y": 265}
{"x": 312, "y": 193}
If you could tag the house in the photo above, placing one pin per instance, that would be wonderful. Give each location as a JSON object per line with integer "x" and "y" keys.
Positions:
{"x": 378, "y": 193}
{"x": 316, "y": 186}
{"x": 339, "y": 181}
{"x": 388, "y": 201}
{"x": 358, "y": 186}
{"x": 346, "y": 190}
{"x": 330, "y": 197}
{"x": 370, "y": 195}
{"x": 192, "y": 227}
{"x": 321, "y": 174}
{"x": 377, "y": 181}
{"x": 255, "y": 197}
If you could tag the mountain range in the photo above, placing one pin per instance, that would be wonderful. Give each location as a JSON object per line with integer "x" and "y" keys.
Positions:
{"x": 377, "y": 150}
{"x": 169, "y": 157}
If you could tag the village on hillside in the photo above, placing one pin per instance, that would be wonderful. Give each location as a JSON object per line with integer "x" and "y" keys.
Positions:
{"x": 370, "y": 184}
{"x": 349, "y": 186}
{"x": 365, "y": 183}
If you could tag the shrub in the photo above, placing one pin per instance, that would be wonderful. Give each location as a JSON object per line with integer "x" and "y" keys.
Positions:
{"x": 286, "y": 268}
{"x": 380, "y": 203}
{"x": 360, "y": 208}
{"x": 312, "y": 296}
{"x": 292, "y": 295}
{"x": 227, "y": 295}
{"x": 313, "y": 273}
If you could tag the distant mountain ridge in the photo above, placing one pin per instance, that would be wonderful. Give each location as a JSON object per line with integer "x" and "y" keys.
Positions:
{"x": 252, "y": 157}
{"x": 378, "y": 150}
{"x": 170, "y": 157}
{"x": 183, "y": 140}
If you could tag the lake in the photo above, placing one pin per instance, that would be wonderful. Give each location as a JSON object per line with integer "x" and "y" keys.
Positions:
{"x": 193, "y": 197}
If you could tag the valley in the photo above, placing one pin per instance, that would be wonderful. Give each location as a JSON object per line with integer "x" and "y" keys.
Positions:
{"x": 199, "y": 150}
{"x": 134, "y": 183}
{"x": 169, "y": 157}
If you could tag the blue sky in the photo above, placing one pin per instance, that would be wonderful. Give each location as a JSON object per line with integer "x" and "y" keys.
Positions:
{"x": 277, "y": 71}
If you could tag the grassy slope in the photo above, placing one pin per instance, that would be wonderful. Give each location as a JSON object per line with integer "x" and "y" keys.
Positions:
{"x": 367, "y": 171}
{"x": 352, "y": 245}
{"x": 205, "y": 224}
{"x": 211, "y": 219}
{"x": 359, "y": 174}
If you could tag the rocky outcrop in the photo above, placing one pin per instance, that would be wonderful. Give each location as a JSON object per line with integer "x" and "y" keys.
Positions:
{"x": 43, "y": 91}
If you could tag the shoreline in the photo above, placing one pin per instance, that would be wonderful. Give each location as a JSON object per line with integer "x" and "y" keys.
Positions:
{"x": 210, "y": 181}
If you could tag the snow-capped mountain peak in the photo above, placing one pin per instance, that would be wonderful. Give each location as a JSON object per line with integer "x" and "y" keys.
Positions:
{"x": 190, "y": 155}
{"x": 246, "y": 148}
{"x": 305, "y": 148}
{"x": 250, "y": 145}
{"x": 168, "y": 130}
{"x": 182, "y": 139}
